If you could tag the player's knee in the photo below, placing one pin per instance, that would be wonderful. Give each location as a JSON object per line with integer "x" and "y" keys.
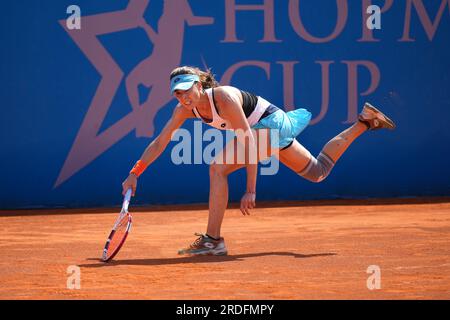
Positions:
{"x": 315, "y": 179}
{"x": 318, "y": 169}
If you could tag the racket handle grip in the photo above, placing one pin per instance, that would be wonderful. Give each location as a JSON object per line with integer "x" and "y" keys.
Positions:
{"x": 128, "y": 194}
{"x": 126, "y": 199}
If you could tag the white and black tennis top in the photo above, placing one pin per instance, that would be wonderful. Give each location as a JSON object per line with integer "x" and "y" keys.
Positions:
{"x": 255, "y": 108}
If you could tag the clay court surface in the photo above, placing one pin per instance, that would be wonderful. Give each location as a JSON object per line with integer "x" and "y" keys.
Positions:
{"x": 304, "y": 250}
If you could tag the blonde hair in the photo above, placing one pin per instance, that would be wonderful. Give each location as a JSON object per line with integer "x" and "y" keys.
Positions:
{"x": 206, "y": 77}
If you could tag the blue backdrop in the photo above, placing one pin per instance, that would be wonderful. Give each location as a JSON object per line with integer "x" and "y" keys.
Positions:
{"x": 79, "y": 106}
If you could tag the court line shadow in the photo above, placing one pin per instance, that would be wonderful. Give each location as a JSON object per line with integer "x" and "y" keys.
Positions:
{"x": 197, "y": 259}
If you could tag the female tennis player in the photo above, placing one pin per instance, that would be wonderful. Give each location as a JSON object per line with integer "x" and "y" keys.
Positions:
{"x": 228, "y": 108}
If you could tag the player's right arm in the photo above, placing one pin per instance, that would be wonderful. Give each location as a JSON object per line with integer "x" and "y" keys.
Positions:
{"x": 158, "y": 145}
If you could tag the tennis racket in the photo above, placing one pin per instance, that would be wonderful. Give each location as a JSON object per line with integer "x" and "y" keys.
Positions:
{"x": 119, "y": 231}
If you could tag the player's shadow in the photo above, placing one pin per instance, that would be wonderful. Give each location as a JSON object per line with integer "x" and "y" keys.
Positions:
{"x": 198, "y": 259}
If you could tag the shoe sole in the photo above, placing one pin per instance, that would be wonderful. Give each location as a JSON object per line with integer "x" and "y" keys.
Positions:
{"x": 206, "y": 253}
{"x": 390, "y": 124}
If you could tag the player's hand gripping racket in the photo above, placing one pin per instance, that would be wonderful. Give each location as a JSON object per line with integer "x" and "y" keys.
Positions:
{"x": 119, "y": 232}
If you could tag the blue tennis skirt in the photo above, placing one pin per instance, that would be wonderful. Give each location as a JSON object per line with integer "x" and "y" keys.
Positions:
{"x": 286, "y": 126}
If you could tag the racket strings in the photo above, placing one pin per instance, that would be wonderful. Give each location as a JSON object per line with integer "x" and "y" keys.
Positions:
{"x": 119, "y": 232}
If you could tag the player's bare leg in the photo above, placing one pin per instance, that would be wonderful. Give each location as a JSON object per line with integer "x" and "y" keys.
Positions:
{"x": 220, "y": 169}
{"x": 218, "y": 197}
{"x": 298, "y": 158}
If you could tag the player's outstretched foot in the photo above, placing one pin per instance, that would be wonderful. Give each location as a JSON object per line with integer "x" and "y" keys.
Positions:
{"x": 205, "y": 245}
{"x": 374, "y": 119}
